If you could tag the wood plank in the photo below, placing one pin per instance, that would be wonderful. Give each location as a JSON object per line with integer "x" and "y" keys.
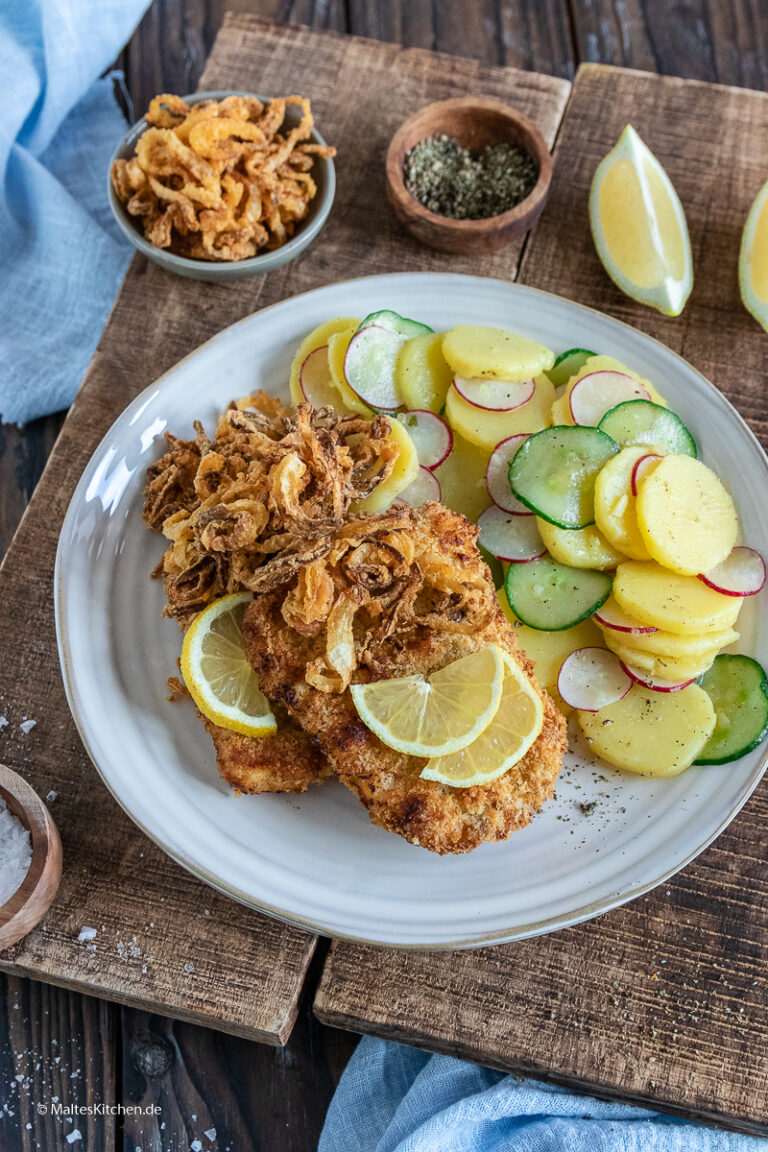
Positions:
{"x": 56, "y": 1050}
{"x": 253, "y": 1096}
{"x": 664, "y": 1001}
{"x": 715, "y": 40}
{"x": 155, "y": 949}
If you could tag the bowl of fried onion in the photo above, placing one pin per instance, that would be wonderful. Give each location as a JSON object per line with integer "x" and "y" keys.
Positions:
{"x": 222, "y": 185}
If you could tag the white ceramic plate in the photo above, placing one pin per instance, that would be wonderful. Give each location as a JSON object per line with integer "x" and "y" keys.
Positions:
{"x": 316, "y": 860}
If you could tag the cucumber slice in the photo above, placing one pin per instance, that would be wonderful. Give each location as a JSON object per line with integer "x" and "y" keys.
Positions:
{"x": 643, "y": 422}
{"x": 552, "y": 597}
{"x": 568, "y": 364}
{"x": 553, "y": 473}
{"x": 738, "y": 689}
{"x": 396, "y": 323}
{"x": 497, "y": 572}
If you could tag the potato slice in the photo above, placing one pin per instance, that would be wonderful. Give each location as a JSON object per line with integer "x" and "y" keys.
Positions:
{"x": 316, "y": 338}
{"x": 547, "y": 650}
{"x": 486, "y": 428}
{"x": 662, "y": 667}
{"x": 661, "y": 643}
{"x": 600, "y": 364}
{"x": 651, "y": 733}
{"x": 494, "y": 353}
{"x": 686, "y": 518}
{"x": 404, "y": 472}
{"x": 337, "y": 350}
{"x": 615, "y": 511}
{"x": 579, "y": 547}
{"x": 422, "y": 373}
{"x": 462, "y": 479}
{"x": 663, "y": 599}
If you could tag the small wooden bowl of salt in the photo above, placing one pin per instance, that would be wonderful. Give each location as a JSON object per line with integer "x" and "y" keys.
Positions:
{"x": 30, "y": 858}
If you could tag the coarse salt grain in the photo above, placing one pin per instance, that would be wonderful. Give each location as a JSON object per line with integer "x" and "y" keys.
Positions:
{"x": 87, "y": 933}
{"x": 75, "y": 1134}
{"x": 15, "y": 853}
{"x": 27, "y": 726}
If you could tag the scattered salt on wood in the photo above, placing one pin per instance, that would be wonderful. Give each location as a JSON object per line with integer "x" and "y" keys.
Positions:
{"x": 87, "y": 933}
{"x": 210, "y": 1134}
{"x": 27, "y": 726}
{"x": 15, "y": 853}
{"x": 75, "y": 1134}
{"x": 3, "y": 722}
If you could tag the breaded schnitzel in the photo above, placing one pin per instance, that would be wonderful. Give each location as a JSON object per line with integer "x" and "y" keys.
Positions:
{"x": 245, "y": 511}
{"x": 289, "y": 761}
{"x": 402, "y": 592}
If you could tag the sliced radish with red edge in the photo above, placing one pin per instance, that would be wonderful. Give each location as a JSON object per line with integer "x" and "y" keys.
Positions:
{"x": 424, "y": 488}
{"x": 369, "y": 366}
{"x": 591, "y": 678}
{"x": 740, "y": 574}
{"x": 655, "y": 683}
{"x": 497, "y": 476}
{"x": 611, "y": 616}
{"x": 598, "y": 392}
{"x": 510, "y": 537}
{"x": 431, "y": 435}
{"x": 643, "y": 468}
{"x": 495, "y": 395}
{"x": 315, "y": 380}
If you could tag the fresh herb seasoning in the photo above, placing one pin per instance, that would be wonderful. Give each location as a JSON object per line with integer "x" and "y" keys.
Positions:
{"x": 447, "y": 179}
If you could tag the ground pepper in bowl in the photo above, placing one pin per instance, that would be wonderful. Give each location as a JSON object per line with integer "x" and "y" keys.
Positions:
{"x": 448, "y": 179}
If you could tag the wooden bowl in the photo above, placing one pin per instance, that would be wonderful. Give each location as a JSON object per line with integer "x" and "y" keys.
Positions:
{"x": 29, "y": 904}
{"x": 474, "y": 122}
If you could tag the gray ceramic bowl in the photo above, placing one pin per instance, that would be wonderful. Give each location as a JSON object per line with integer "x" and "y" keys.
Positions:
{"x": 323, "y": 173}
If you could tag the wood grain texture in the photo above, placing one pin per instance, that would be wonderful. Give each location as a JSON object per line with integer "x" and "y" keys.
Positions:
{"x": 154, "y": 948}
{"x": 714, "y": 40}
{"x": 664, "y": 1001}
{"x": 57, "y": 1049}
{"x": 253, "y": 1096}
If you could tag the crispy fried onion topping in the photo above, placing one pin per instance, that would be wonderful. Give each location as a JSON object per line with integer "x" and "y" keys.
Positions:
{"x": 259, "y": 504}
{"x": 221, "y": 180}
{"x": 384, "y": 576}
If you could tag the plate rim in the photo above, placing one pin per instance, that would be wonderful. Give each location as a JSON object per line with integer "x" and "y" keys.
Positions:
{"x": 500, "y": 936}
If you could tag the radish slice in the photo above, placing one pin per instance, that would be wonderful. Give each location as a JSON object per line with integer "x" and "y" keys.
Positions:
{"x": 495, "y": 395}
{"x": 597, "y": 393}
{"x": 510, "y": 537}
{"x": 430, "y": 434}
{"x": 424, "y": 488}
{"x": 642, "y": 469}
{"x": 655, "y": 683}
{"x": 611, "y": 616}
{"x": 315, "y": 380}
{"x": 591, "y": 678}
{"x": 369, "y": 366}
{"x": 497, "y": 476}
{"x": 740, "y": 574}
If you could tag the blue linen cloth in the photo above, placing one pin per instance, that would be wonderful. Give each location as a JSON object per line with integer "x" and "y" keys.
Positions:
{"x": 397, "y": 1099}
{"x": 62, "y": 255}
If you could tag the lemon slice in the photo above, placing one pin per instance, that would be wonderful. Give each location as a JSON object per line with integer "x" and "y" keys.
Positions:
{"x": 753, "y": 259}
{"x": 217, "y": 673}
{"x": 439, "y": 715}
{"x": 506, "y": 740}
{"x": 639, "y": 227}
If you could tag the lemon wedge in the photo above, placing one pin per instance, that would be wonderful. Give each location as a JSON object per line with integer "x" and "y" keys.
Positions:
{"x": 217, "y": 673}
{"x": 506, "y": 740}
{"x": 753, "y": 260}
{"x": 639, "y": 227}
{"x": 439, "y": 715}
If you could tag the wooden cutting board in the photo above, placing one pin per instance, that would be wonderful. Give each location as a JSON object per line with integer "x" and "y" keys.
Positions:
{"x": 165, "y": 942}
{"x": 664, "y": 1001}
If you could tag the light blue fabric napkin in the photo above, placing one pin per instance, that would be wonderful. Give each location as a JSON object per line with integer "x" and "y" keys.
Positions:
{"x": 397, "y": 1099}
{"x": 62, "y": 256}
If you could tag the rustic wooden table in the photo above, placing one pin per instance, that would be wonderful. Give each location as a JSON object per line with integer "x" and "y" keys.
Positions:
{"x": 94, "y": 1052}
